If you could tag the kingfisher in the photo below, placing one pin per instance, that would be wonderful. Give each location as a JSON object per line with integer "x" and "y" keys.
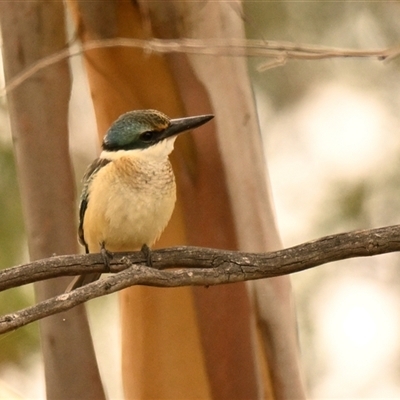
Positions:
{"x": 129, "y": 192}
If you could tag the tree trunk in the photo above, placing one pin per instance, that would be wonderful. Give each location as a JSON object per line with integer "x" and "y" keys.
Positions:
{"x": 197, "y": 343}
{"x": 227, "y": 83}
{"x": 32, "y": 30}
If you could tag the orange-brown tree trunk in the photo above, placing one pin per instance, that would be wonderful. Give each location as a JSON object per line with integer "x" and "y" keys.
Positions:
{"x": 201, "y": 343}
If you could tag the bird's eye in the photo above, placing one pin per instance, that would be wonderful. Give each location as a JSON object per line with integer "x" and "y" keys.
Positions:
{"x": 147, "y": 136}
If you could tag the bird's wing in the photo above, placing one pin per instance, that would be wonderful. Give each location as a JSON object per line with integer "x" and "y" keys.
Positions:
{"x": 87, "y": 179}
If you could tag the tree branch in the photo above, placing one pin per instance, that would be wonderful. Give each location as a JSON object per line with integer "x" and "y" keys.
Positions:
{"x": 197, "y": 267}
{"x": 279, "y": 52}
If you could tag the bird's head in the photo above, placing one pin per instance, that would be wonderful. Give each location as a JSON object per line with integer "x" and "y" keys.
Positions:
{"x": 143, "y": 129}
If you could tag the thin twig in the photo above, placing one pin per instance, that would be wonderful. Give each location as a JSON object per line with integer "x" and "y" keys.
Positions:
{"x": 279, "y": 51}
{"x": 197, "y": 267}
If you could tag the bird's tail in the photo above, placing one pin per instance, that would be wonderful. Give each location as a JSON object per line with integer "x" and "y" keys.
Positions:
{"x": 82, "y": 280}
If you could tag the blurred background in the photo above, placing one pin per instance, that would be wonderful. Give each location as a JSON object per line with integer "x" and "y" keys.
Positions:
{"x": 332, "y": 143}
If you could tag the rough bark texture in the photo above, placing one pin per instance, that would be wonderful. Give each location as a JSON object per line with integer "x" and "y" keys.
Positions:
{"x": 251, "y": 266}
{"x": 39, "y": 109}
{"x": 205, "y": 267}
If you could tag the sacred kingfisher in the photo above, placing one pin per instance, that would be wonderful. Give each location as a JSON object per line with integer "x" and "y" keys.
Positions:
{"x": 129, "y": 192}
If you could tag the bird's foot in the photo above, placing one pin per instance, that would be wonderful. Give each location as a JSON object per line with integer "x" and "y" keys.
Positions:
{"x": 106, "y": 255}
{"x": 147, "y": 255}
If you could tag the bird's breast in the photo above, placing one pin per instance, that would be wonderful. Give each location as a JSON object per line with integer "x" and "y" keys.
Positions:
{"x": 130, "y": 203}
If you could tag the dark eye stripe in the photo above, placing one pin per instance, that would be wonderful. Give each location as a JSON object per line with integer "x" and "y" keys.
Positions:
{"x": 147, "y": 136}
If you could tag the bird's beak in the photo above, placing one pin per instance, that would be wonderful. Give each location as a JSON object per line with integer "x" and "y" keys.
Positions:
{"x": 181, "y": 125}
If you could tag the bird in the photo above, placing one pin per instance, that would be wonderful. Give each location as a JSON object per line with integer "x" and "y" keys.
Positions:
{"x": 129, "y": 191}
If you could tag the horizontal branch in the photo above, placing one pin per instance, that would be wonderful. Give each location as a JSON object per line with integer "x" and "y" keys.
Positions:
{"x": 196, "y": 267}
{"x": 279, "y": 52}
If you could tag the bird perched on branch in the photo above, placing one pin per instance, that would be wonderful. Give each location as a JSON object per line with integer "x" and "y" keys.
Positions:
{"x": 129, "y": 192}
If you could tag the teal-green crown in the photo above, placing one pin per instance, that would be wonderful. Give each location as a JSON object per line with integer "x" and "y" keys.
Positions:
{"x": 129, "y": 130}
{"x": 141, "y": 129}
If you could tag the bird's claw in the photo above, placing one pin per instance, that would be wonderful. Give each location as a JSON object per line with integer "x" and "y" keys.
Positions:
{"x": 147, "y": 255}
{"x": 106, "y": 255}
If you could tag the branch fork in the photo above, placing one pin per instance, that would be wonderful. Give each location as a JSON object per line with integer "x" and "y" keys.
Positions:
{"x": 191, "y": 266}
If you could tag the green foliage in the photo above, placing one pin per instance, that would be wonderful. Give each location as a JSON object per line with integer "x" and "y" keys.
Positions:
{"x": 11, "y": 233}
{"x": 345, "y": 207}
{"x": 16, "y": 346}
